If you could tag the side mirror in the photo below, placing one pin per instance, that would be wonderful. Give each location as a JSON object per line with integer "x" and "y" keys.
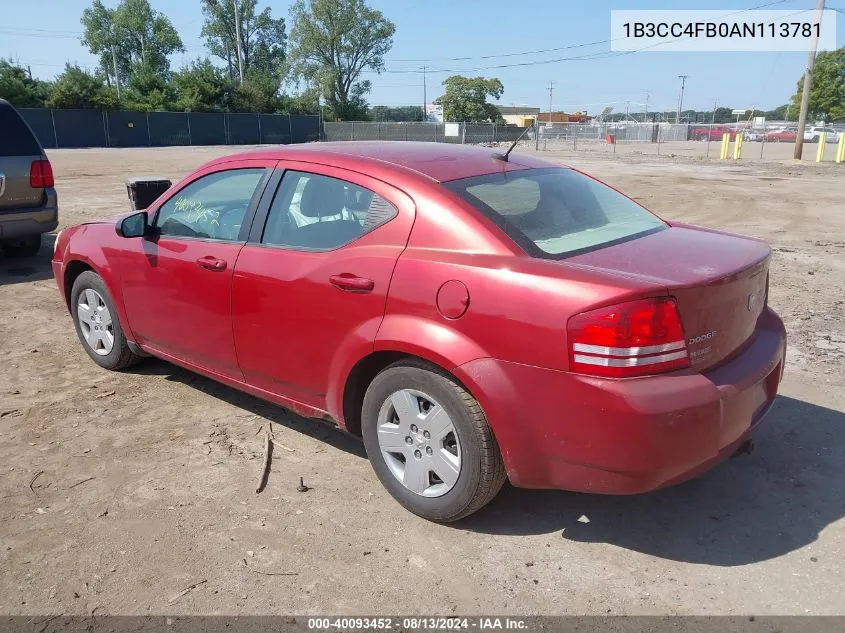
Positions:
{"x": 134, "y": 225}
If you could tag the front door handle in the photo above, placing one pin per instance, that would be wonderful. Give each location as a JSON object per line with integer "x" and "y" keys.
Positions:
{"x": 352, "y": 283}
{"x": 212, "y": 263}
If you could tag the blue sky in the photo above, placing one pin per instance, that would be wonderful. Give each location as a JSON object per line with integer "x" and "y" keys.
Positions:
{"x": 44, "y": 34}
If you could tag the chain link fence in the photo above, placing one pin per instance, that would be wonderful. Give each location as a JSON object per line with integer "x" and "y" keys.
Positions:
{"x": 772, "y": 140}
{"x": 124, "y": 128}
{"x": 421, "y": 131}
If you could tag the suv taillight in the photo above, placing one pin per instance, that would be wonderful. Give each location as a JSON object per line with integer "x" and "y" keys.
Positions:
{"x": 40, "y": 174}
{"x": 628, "y": 339}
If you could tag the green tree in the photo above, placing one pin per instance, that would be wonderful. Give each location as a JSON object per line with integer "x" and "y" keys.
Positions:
{"x": 137, "y": 35}
{"x": 148, "y": 91}
{"x": 263, "y": 37}
{"x": 465, "y": 99}
{"x": 333, "y": 43}
{"x": 19, "y": 89}
{"x": 827, "y": 94}
{"x": 76, "y": 88}
{"x": 202, "y": 87}
{"x": 402, "y": 113}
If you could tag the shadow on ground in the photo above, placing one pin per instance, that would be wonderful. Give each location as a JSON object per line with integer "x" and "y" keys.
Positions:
{"x": 14, "y": 270}
{"x": 317, "y": 429}
{"x": 749, "y": 509}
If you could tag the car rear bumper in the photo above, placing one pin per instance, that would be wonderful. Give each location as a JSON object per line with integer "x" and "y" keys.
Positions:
{"x": 575, "y": 432}
{"x": 24, "y": 222}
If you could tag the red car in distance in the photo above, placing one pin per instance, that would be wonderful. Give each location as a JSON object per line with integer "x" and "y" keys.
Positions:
{"x": 473, "y": 316}
{"x": 785, "y": 135}
{"x": 712, "y": 132}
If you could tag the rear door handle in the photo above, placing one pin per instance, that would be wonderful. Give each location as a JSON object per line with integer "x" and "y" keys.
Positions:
{"x": 212, "y": 263}
{"x": 352, "y": 283}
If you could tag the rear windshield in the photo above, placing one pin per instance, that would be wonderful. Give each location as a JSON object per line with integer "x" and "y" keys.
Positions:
{"x": 556, "y": 212}
{"x": 15, "y": 137}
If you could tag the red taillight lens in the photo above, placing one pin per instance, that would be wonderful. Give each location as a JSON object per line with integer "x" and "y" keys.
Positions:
{"x": 40, "y": 174}
{"x": 628, "y": 339}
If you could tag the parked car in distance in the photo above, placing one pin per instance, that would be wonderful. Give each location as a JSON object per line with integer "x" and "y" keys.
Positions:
{"x": 28, "y": 202}
{"x": 754, "y": 135}
{"x": 472, "y": 316}
{"x": 813, "y": 134}
{"x": 782, "y": 135}
{"x": 712, "y": 132}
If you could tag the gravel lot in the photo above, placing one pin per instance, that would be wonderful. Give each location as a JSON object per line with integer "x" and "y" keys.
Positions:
{"x": 119, "y": 491}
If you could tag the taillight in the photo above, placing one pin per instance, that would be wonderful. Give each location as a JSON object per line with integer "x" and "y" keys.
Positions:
{"x": 628, "y": 339}
{"x": 40, "y": 174}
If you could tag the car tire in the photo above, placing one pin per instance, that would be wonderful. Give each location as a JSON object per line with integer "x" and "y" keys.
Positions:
{"x": 23, "y": 247}
{"x": 480, "y": 470}
{"x": 103, "y": 339}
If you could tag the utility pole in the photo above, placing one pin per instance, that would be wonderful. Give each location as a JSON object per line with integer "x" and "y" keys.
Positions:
{"x": 808, "y": 83}
{"x": 425, "y": 98}
{"x": 683, "y": 79}
{"x": 238, "y": 42}
{"x": 116, "y": 76}
{"x": 645, "y": 118}
{"x": 551, "y": 90}
{"x": 627, "y": 106}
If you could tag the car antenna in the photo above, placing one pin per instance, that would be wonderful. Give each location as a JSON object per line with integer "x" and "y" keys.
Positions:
{"x": 504, "y": 157}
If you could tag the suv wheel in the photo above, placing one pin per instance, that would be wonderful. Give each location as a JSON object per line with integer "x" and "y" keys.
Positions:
{"x": 23, "y": 247}
{"x": 429, "y": 442}
{"x": 97, "y": 323}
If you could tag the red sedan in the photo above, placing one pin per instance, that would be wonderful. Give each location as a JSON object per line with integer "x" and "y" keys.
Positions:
{"x": 474, "y": 317}
{"x": 782, "y": 136}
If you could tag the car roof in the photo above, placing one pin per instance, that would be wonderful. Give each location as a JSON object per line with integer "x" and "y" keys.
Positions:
{"x": 437, "y": 161}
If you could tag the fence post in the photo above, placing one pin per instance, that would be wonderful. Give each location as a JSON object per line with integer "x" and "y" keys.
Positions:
{"x": 378, "y": 130}
{"x": 188, "y": 119}
{"x": 106, "y": 128}
{"x": 352, "y": 131}
{"x": 463, "y": 133}
{"x": 290, "y": 128}
{"x": 494, "y": 131}
{"x": 537, "y": 134}
{"x": 149, "y": 134}
{"x": 260, "y": 139}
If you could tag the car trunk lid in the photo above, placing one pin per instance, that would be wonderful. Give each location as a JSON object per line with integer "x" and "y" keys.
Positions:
{"x": 18, "y": 150}
{"x": 718, "y": 279}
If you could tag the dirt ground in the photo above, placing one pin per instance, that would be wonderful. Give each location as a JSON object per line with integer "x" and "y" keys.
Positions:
{"x": 120, "y": 490}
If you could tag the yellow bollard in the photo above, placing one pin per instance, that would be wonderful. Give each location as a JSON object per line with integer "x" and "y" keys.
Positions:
{"x": 820, "y": 150}
{"x": 726, "y": 144}
{"x": 840, "y": 152}
{"x": 738, "y": 146}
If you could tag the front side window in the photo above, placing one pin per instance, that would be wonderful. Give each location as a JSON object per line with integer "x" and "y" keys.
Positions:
{"x": 211, "y": 207}
{"x": 315, "y": 212}
{"x": 556, "y": 212}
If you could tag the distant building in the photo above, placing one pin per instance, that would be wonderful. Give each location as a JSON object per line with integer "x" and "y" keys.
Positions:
{"x": 519, "y": 115}
{"x": 563, "y": 117}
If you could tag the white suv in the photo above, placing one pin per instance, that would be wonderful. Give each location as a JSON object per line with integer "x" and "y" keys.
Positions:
{"x": 813, "y": 134}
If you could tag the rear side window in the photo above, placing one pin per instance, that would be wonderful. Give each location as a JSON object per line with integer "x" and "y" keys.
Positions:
{"x": 316, "y": 212}
{"x": 15, "y": 137}
{"x": 557, "y": 212}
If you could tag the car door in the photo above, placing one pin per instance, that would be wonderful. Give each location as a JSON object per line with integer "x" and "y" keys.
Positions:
{"x": 177, "y": 282}
{"x": 310, "y": 286}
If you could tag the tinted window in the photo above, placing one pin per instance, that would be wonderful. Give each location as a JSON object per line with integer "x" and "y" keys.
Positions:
{"x": 213, "y": 206}
{"x": 317, "y": 212}
{"x": 556, "y": 212}
{"x": 15, "y": 137}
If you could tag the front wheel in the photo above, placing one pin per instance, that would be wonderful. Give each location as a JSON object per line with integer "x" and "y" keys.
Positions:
{"x": 97, "y": 323}
{"x": 429, "y": 442}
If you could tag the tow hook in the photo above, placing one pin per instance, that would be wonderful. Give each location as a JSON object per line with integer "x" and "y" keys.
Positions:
{"x": 746, "y": 448}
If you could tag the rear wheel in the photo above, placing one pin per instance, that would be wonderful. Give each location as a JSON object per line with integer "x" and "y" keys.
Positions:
{"x": 97, "y": 324}
{"x": 429, "y": 442}
{"x": 22, "y": 247}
